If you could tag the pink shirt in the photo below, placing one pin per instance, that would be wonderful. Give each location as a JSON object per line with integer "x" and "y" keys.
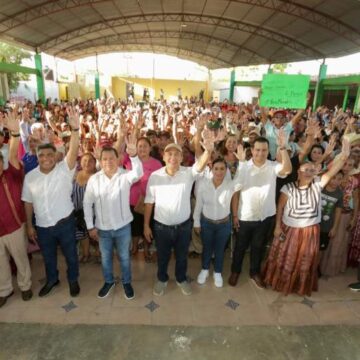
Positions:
{"x": 139, "y": 188}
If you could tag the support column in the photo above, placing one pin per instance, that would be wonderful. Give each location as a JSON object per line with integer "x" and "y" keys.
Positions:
{"x": 270, "y": 70}
{"x": 39, "y": 78}
{"x": 319, "y": 89}
{"x": 97, "y": 80}
{"x": 346, "y": 97}
{"x": 232, "y": 85}
{"x": 357, "y": 101}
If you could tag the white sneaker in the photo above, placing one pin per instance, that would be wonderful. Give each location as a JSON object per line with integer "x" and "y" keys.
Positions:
{"x": 218, "y": 280}
{"x": 203, "y": 275}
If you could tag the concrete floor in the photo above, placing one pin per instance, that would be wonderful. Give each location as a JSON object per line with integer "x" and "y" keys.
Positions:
{"x": 229, "y": 323}
{"x": 118, "y": 342}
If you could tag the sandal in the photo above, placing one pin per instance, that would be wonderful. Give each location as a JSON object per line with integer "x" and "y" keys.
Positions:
{"x": 84, "y": 259}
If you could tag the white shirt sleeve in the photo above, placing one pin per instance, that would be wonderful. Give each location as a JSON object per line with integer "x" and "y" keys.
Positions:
{"x": 26, "y": 193}
{"x": 89, "y": 200}
{"x": 150, "y": 191}
{"x": 194, "y": 171}
{"x": 198, "y": 206}
{"x": 278, "y": 167}
{"x": 136, "y": 171}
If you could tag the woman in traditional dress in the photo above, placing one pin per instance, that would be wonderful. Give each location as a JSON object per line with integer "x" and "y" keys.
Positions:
{"x": 292, "y": 264}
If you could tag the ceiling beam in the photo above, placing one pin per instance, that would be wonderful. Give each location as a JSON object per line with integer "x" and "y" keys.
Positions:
{"x": 138, "y": 36}
{"x": 282, "y": 39}
{"x": 303, "y": 12}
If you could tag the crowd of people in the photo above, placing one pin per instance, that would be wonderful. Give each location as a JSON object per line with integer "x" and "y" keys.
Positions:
{"x": 187, "y": 177}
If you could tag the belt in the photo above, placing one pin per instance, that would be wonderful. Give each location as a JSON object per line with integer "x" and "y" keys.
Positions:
{"x": 65, "y": 219}
{"x": 173, "y": 226}
{"x": 220, "y": 221}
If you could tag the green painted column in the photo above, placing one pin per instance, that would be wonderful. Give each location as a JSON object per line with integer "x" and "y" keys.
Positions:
{"x": 232, "y": 85}
{"x": 97, "y": 85}
{"x": 346, "y": 97}
{"x": 39, "y": 78}
{"x": 357, "y": 101}
{"x": 319, "y": 89}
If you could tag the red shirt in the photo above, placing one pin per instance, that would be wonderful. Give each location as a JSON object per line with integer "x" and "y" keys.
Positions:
{"x": 14, "y": 179}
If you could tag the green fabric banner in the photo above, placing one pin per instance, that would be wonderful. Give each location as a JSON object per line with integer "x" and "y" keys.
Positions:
{"x": 284, "y": 91}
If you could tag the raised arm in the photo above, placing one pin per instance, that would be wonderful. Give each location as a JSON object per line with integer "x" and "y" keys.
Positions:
{"x": 12, "y": 123}
{"x": 285, "y": 159}
{"x": 208, "y": 145}
{"x": 136, "y": 165}
{"x": 338, "y": 163}
{"x": 74, "y": 123}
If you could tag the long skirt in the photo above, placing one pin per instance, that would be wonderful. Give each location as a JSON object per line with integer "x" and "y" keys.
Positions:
{"x": 292, "y": 264}
{"x": 334, "y": 258}
{"x": 354, "y": 250}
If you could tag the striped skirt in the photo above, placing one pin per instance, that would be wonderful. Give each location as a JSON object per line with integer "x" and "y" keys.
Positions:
{"x": 292, "y": 264}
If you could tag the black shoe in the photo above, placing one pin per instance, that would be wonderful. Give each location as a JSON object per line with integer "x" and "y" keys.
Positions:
{"x": 129, "y": 291}
{"x": 74, "y": 288}
{"x": 26, "y": 295}
{"x": 47, "y": 288}
{"x": 3, "y": 299}
{"x": 105, "y": 290}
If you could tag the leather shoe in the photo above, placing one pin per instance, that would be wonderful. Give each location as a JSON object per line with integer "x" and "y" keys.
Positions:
{"x": 26, "y": 295}
{"x": 3, "y": 299}
{"x": 47, "y": 288}
{"x": 233, "y": 279}
{"x": 74, "y": 288}
{"x": 257, "y": 280}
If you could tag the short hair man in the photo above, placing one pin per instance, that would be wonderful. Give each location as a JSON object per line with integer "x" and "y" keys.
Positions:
{"x": 108, "y": 191}
{"x": 169, "y": 190}
{"x": 47, "y": 193}
{"x": 257, "y": 183}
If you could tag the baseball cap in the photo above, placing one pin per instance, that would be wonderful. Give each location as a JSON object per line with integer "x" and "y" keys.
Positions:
{"x": 173, "y": 146}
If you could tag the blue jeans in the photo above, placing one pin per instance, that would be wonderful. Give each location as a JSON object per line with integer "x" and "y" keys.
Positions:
{"x": 175, "y": 237}
{"x": 214, "y": 238}
{"x": 63, "y": 234}
{"x": 121, "y": 239}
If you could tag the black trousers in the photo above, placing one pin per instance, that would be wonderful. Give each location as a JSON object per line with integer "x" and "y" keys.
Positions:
{"x": 253, "y": 234}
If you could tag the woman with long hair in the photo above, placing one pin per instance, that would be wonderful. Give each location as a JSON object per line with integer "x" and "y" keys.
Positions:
{"x": 88, "y": 168}
{"x": 292, "y": 264}
{"x": 137, "y": 193}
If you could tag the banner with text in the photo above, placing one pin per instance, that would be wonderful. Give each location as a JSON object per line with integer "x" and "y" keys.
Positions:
{"x": 284, "y": 91}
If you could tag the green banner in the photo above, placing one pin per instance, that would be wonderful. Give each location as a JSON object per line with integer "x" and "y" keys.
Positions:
{"x": 284, "y": 91}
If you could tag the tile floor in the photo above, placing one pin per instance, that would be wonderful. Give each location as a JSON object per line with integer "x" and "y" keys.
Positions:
{"x": 208, "y": 306}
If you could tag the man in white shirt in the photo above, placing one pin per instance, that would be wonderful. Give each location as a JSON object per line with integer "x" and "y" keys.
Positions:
{"x": 47, "y": 193}
{"x": 255, "y": 205}
{"x": 108, "y": 191}
{"x": 169, "y": 189}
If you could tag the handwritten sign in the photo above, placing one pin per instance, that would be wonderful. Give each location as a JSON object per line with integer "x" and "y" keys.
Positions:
{"x": 284, "y": 91}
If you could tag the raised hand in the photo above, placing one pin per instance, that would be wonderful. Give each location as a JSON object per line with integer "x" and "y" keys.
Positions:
{"x": 11, "y": 121}
{"x": 208, "y": 140}
{"x": 131, "y": 144}
{"x": 345, "y": 149}
{"x": 240, "y": 154}
{"x": 74, "y": 119}
{"x": 220, "y": 135}
{"x": 332, "y": 143}
{"x": 282, "y": 139}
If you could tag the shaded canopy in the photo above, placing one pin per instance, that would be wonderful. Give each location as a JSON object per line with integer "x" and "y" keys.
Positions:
{"x": 213, "y": 33}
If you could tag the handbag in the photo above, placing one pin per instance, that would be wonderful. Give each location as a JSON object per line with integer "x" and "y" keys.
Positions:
{"x": 80, "y": 220}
